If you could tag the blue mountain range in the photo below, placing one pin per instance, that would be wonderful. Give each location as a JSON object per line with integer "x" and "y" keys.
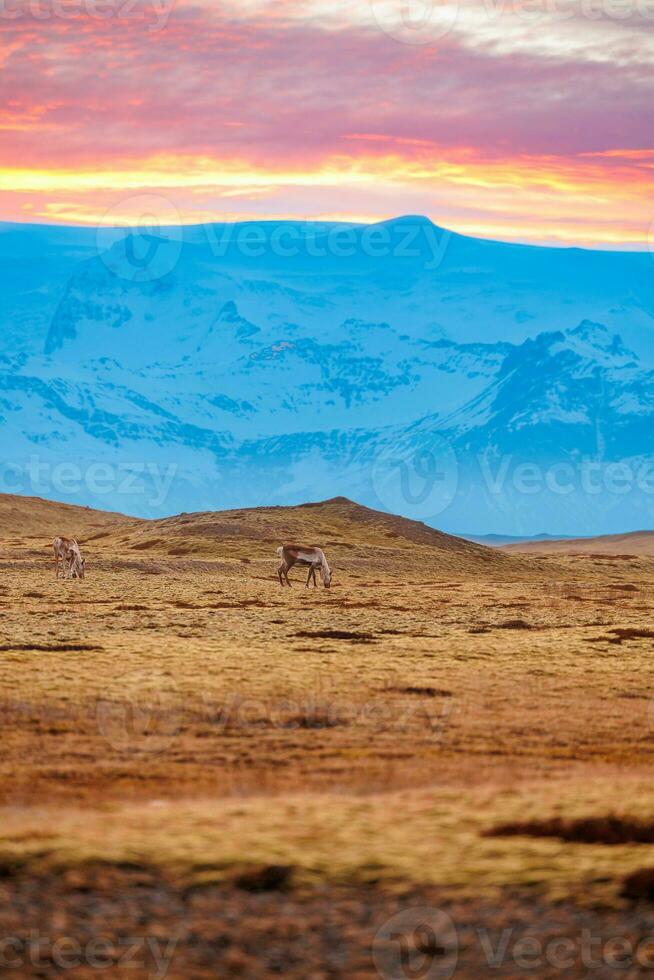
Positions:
{"x": 480, "y": 386}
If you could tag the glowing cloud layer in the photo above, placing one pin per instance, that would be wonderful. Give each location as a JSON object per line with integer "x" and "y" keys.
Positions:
{"x": 487, "y": 121}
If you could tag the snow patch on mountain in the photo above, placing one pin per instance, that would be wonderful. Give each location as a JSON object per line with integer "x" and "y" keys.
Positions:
{"x": 282, "y": 377}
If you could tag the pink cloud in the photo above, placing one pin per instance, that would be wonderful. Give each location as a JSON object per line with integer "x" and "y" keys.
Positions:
{"x": 275, "y": 93}
{"x": 278, "y": 93}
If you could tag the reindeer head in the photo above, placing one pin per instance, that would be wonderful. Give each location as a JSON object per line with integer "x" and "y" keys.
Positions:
{"x": 77, "y": 567}
{"x": 326, "y": 576}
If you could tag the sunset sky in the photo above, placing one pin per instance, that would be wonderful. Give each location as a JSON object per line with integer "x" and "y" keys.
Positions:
{"x": 530, "y": 120}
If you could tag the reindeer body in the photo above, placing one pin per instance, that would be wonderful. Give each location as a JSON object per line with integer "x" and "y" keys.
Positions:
{"x": 67, "y": 554}
{"x": 294, "y": 554}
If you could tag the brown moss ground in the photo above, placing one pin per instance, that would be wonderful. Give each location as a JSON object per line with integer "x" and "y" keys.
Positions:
{"x": 192, "y": 717}
{"x": 134, "y": 922}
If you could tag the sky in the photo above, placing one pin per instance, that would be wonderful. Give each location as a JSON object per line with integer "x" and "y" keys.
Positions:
{"x": 526, "y": 120}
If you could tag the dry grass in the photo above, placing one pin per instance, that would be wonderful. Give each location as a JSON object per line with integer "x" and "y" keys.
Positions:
{"x": 191, "y": 714}
{"x": 32, "y": 519}
{"x": 608, "y": 545}
{"x": 434, "y": 835}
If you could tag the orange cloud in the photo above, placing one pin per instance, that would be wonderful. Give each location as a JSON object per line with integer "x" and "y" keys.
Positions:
{"x": 261, "y": 109}
{"x": 529, "y": 198}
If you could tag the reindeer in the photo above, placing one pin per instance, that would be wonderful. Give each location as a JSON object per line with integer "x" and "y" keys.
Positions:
{"x": 293, "y": 554}
{"x": 67, "y": 553}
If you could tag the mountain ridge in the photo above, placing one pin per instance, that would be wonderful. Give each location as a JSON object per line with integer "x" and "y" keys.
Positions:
{"x": 301, "y": 373}
{"x": 87, "y": 233}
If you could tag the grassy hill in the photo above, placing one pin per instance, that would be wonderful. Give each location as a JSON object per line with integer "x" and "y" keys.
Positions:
{"x": 345, "y": 529}
{"x": 34, "y": 518}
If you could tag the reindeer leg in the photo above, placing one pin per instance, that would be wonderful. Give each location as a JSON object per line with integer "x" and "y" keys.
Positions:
{"x": 309, "y": 576}
{"x": 313, "y": 572}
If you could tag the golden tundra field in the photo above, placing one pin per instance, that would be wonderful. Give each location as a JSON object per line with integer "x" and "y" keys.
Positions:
{"x": 256, "y": 780}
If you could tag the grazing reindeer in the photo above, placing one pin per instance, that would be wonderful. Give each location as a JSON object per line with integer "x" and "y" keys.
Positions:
{"x": 67, "y": 554}
{"x": 293, "y": 554}
{"x": 77, "y": 565}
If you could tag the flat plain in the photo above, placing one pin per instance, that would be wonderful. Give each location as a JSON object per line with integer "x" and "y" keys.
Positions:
{"x": 264, "y": 777}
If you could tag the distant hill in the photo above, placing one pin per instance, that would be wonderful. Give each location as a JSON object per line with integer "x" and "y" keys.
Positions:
{"x": 33, "y": 517}
{"x": 634, "y": 543}
{"x": 500, "y": 540}
{"x": 344, "y": 528}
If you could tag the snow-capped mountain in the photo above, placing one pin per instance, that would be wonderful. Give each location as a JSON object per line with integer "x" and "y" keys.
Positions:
{"x": 481, "y": 386}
